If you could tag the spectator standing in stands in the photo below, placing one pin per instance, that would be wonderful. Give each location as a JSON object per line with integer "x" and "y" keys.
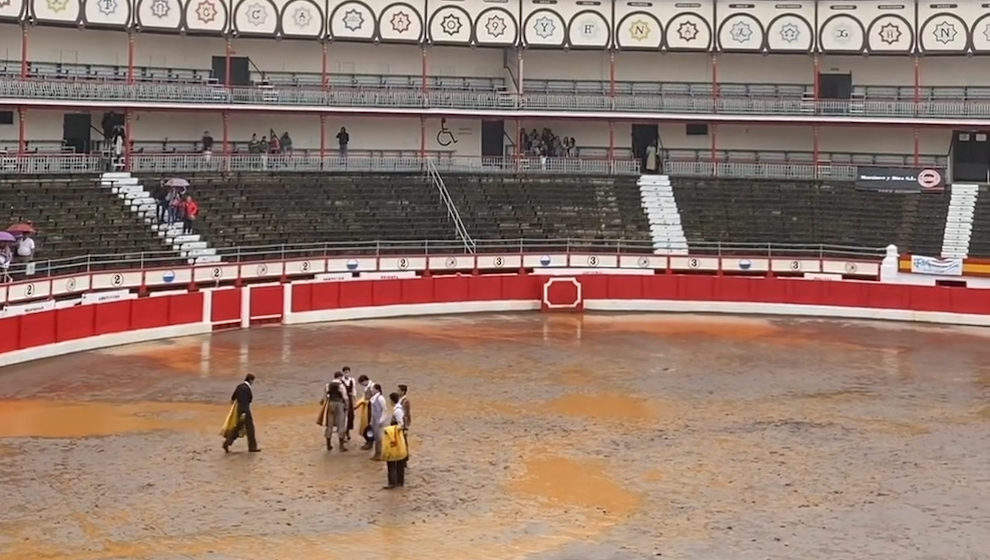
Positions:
{"x": 25, "y": 247}
{"x": 275, "y": 146}
{"x": 159, "y": 193}
{"x": 207, "y": 145}
{"x": 253, "y": 144}
{"x": 343, "y": 138}
{"x": 286, "y": 143}
{"x": 118, "y": 147}
{"x": 174, "y": 198}
{"x": 652, "y": 160}
{"x": 190, "y": 211}
{"x": 5, "y": 257}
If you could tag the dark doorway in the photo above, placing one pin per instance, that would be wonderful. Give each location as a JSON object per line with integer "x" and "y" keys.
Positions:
{"x": 492, "y": 138}
{"x": 76, "y": 131}
{"x": 835, "y": 86}
{"x": 642, "y": 136}
{"x": 240, "y": 74}
{"x": 971, "y": 156}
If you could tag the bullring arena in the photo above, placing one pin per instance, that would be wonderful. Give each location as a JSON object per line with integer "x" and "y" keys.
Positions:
{"x": 690, "y": 280}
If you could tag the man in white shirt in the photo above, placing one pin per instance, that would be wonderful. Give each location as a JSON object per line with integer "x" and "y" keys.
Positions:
{"x": 378, "y": 420}
{"x": 25, "y": 247}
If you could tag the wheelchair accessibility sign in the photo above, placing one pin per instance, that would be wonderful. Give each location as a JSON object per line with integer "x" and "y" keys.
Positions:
{"x": 445, "y": 137}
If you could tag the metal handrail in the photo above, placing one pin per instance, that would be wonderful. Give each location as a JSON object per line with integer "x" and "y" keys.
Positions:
{"x": 250, "y": 253}
{"x": 186, "y": 93}
{"x": 455, "y": 216}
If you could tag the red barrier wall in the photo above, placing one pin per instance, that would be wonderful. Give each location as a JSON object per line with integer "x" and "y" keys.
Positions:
{"x": 226, "y": 306}
{"x": 71, "y": 323}
{"x": 785, "y": 290}
{"x": 437, "y": 289}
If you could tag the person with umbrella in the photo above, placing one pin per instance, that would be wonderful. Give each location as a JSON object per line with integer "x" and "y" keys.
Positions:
{"x": 25, "y": 243}
{"x": 6, "y": 256}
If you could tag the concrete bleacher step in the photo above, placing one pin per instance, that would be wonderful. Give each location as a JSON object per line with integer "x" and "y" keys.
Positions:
{"x": 136, "y": 199}
{"x": 959, "y": 220}
{"x": 663, "y": 216}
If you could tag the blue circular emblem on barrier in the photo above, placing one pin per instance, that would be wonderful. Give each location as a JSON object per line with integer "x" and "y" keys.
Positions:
{"x": 745, "y": 264}
{"x": 168, "y": 276}
{"x": 545, "y": 260}
{"x": 352, "y": 264}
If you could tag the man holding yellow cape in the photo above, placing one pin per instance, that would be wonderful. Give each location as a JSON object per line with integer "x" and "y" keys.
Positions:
{"x": 240, "y": 420}
{"x": 394, "y": 448}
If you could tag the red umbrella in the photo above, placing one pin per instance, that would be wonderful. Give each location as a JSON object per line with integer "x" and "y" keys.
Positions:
{"x": 21, "y": 228}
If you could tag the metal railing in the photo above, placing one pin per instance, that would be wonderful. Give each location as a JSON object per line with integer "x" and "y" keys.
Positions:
{"x": 455, "y": 216}
{"x": 251, "y": 253}
{"x": 195, "y": 94}
{"x": 52, "y": 164}
{"x": 757, "y": 170}
{"x": 193, "y": 163}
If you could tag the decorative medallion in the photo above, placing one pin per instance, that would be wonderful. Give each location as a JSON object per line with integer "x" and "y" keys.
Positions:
{"x": 544, "y": 27}
{"x": 57, "y": 6}
{"x": 107, "y": 7}
{"x": 945, "y": 32}
{"x": 496, "y": 26}
{"x": 302, "y": 17}
{"x": 353, "y": 20}
{"x": 451, "y": 24}
{"x": 639, "y": 29}
{"x": 206, "y": 11}
{"x": 400, "y": 22}
{"x": 741, "y": 32}
{"x": 986, "y": 32}
{"x": 160, "y": 8}
{"x": 256, "y": 14}
{"x": 890, "y": 33}
{"x": 842, "y": 35}
{"x": 790, "y": 33}
{"x": 687, "y": 31}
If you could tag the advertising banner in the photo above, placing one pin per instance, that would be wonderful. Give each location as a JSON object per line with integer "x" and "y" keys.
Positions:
{"x": 899, "y": 179}
{"x": 936, "y": 265}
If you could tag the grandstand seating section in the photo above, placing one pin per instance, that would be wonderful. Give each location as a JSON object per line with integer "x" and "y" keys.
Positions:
{"x": 259, "y": 209}
{"x": 559, "y": 207}
{"x": 75, "y": 217}
{"x": 979, "y": 243}
{"x": 809, "y": 213}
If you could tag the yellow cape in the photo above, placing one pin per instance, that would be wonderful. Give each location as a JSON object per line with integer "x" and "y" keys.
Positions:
{"x": 394, "y": 444}
{"x": 362, "y": 411}
{"x": 231, "y": 423}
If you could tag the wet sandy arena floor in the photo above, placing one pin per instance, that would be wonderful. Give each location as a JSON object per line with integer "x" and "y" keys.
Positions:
{"x": 535, "y": 437}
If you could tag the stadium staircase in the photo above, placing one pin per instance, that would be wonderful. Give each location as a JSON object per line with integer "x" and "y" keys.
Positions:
{"x": 979, "y": 244}
{"x": 959, "y": 221}
{"x": 136, "y": 199}
{"x": 661, "y": 211}
{"x": 74, "y": 218}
